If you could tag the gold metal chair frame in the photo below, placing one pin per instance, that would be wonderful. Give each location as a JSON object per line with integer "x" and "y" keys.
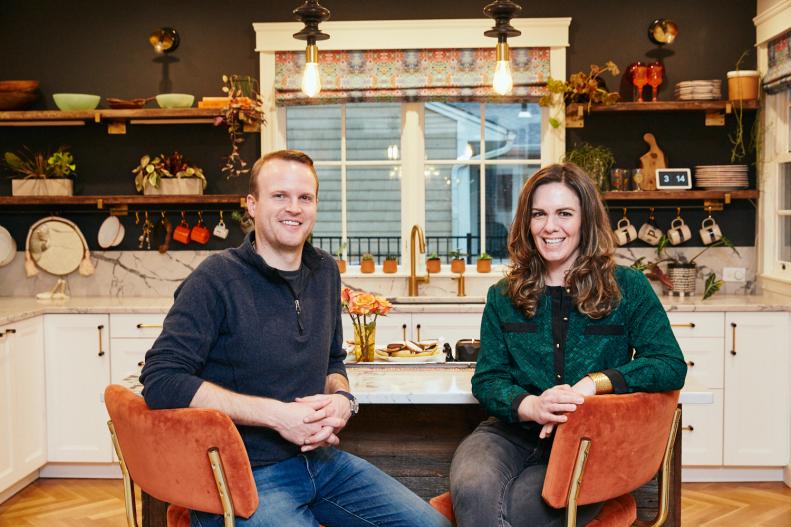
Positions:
{"x": 229, "y": 518}
{"x": 664, "y": 481}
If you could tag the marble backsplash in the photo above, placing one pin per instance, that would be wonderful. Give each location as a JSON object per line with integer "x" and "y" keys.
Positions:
{"x": 150, "y": 274}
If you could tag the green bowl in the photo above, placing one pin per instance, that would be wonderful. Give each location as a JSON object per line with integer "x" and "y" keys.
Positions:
{"x": 175, "y": 100}
{"x": 74, "y": 102}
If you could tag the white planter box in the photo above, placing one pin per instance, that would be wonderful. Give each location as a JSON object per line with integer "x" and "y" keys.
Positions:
{"x": 42, "y": 187}
{"x": 175, "y": 186}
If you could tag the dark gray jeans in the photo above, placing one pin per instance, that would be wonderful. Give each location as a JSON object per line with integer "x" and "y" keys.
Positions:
{"x": 496, "y": 478}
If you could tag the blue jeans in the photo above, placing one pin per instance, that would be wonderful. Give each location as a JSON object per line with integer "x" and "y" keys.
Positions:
{"x": 333, "y": 488}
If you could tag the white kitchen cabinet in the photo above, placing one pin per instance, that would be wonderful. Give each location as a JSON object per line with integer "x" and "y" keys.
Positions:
{"x": 78, "y": 370}
{"x": 22, "y": 401}
{"x": 701, "y": 432}
{"x": 757, "y": 395}
{"x": 131, "y": 336}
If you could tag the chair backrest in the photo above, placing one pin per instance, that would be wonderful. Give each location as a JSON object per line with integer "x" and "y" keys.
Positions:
{"x": 165, "y": 452}
{"x": 628, "y": 434}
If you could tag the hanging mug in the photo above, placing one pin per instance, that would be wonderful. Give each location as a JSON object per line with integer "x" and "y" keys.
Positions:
{"x": 220, "y": 230}
{"x": 710, "y": 232}
{"x": 182, "y": 232}
{"x": 650, "y": 233}
{"x": 625, "y": 232}
{"x": 200, "y": 233}
{"x": 679, "y": 232}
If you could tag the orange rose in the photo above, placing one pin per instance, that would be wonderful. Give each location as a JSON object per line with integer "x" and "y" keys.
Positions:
{"x": 362, "y": 304}
{"x": 383, "y": 307}
{"x": 346, "y": 295}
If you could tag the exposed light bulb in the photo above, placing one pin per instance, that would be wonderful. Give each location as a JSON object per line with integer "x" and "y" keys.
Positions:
{"x": 503, "y": 83}
{"x": 311, "y": 79}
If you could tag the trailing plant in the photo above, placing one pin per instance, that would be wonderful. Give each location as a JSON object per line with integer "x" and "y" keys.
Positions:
{"x": 245, "y": 106}
{"x": 40, "y": 165}
{"x": 151, "y": 170}
{"x": 740, "y": 150}
{"x": 580, "y": 88}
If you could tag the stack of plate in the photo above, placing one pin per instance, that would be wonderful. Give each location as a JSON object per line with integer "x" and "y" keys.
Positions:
{"x": 721, "y": 177}
{"x": 705, "y": 90}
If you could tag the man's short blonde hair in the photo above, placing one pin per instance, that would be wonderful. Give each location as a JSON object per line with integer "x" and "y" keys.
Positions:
{"x": 286, "y": 155}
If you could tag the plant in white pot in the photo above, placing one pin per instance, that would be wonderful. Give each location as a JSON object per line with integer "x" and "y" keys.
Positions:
{"x": 41, "y": 174}
{"x": 168, "y": 175}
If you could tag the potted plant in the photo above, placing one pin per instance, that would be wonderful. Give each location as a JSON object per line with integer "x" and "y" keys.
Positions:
{"x": 42, "y": 174}
{"x": 484, "y": 264}
{"x": 456, "y": 261}
{"x": 339, "y": 257}
{"x": 367, "y": 263}
{"x": 681, "y": 273}
{"x": 580, "y": 88}
{"x": 742, "y": 85}
{"x": 390, "y": 264}
{"x": 433, "y": 263}
{"x": 244, "y": 113}
{"x": 171, "y": 175}
{"x": 595, "y": 160}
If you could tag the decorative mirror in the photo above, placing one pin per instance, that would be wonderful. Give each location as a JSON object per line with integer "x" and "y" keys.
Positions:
{"x": 164, "y": 39}
{"x": 662, "y": 31}
{"x": 57, "y": 246}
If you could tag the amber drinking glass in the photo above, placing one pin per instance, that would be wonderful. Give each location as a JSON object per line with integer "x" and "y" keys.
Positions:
{"x": 640, "y": 79}
{"x": 655, "y": 73}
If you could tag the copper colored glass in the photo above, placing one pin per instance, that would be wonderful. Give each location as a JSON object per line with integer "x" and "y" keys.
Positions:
{"x": 640, "y": 79}
{"x": 655, "y": 73}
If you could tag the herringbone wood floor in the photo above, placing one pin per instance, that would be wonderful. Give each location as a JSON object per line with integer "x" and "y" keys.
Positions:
{"x": 100, "y": 503}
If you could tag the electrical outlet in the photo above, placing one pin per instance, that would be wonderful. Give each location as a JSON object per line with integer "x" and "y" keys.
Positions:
{"x": 733, "y": 274}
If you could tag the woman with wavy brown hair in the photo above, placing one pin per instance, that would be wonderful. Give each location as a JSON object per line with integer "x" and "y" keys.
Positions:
{"x": 564, "y": 323}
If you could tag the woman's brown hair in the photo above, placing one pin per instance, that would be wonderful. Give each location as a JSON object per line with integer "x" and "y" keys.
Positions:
{"x": 591, "y": 279}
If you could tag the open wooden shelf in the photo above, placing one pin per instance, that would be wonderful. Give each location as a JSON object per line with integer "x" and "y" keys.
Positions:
{"x": 116, "y": 120}
{"x": 714, "y": 110}
{"x": 663, "y": 195}
{"x": 134, "y": 199}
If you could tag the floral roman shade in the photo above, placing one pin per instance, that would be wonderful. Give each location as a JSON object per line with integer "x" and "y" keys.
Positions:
{"x": 778, "y": 76}
{"x": 410, "y": 75}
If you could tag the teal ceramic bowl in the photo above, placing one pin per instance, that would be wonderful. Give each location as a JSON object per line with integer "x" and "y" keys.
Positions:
{"x": 175, "y": 100}
{"x": 74, "y": 102}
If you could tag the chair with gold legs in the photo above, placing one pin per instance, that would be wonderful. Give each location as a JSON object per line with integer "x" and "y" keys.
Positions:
{"x": 610, "y": 446}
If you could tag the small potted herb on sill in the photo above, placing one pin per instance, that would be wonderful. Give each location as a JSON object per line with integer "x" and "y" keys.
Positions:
{"x": 40, "y": 173}
{"x": 168, "y": 175}
{"x": 433, "y": 263}
{"x": 339, "y": 258}
{"x": 390, "y": 264}
{"x": 367, "y": 263}
{"x": 484, "y": 264}
{"x": 457, "y": 264}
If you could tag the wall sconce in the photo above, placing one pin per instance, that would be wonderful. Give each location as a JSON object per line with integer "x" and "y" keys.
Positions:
{"x": 662, "y": 31}
{"x": 502, "y": 11}
{"x": 311, "y": 14}
{"x": 164, "y": 39}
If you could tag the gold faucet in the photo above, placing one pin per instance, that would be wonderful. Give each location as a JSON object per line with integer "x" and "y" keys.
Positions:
{"x": 414, "y": 279}
{"x": 460, "y": 289}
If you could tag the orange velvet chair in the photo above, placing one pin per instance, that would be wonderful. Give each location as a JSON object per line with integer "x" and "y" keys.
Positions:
{"x": 610, "y": 446}
{"x": 191, "y": 458}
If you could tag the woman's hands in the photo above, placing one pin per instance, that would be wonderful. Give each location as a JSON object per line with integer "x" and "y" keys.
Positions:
{"x": 549, "y": 408}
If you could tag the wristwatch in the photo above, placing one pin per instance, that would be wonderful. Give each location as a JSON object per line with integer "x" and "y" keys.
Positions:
{"x": 354, "y": 406}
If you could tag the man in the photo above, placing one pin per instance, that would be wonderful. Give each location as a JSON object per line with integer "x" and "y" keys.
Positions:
{"x": 255, "y": 332}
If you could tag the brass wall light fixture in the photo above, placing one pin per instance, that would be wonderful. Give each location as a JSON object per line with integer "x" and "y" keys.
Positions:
{"x": 311, "y": 14}
{"x": 164, "y": 39}
{"x": 502, "y": 11}
{"x": 662, "y": 31}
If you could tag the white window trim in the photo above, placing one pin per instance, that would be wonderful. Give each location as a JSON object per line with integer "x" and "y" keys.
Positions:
{"x": 777, "y": 151}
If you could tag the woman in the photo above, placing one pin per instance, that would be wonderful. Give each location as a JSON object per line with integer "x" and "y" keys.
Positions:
{"x": 561, "y": 325}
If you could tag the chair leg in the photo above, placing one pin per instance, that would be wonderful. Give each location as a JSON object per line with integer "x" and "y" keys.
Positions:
{"x": 129, "y": 486}
{"x": 664, "y": 478}
{"x": 229, "y": 516}
{"x": 576, "y": 482}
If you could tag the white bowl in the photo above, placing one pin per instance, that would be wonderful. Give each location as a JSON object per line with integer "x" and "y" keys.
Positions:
{"x": 108, "y": 232}
{"x": 120, "y": 236}
{"x": 7, "y": 247}
{"x": 175, "y": 100}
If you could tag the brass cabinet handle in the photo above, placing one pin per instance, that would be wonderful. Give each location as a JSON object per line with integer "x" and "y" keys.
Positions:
{"x": 733, "y": 338}
{"x": 141, "y": 363}
{"x": 146, "y": 326}
{"x": 684, "y": 325}
{"x": 691, "y": 363}
{"x": 403, "y": 331}
{"x": 418, "y": 332}
{"x": 688, "y": 428}
{"x": 100, "y": 327}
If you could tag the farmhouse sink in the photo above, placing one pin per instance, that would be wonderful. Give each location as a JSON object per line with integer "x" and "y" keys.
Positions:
{"x": 437, "y": 300}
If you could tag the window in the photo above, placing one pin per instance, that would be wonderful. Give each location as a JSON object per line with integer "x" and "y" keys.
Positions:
{"x": 470, "y": 159}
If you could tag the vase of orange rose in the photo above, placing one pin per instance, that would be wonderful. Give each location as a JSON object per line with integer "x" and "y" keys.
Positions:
{"x": 364, "y": 308}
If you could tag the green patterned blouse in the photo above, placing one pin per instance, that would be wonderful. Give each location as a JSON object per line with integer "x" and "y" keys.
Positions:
{"x": 633, "y": 345}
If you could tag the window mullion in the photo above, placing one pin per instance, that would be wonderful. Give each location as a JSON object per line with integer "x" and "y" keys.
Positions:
{"x": 482, "y": 179}
{"x": 413, "y": 188}
{"x": 344, "y": 220}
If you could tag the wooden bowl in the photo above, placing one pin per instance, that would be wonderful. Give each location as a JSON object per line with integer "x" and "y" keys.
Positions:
{"x": 127, "y": 104}
{"x": 18, "y": 86}
{"x": 16, "y": 100}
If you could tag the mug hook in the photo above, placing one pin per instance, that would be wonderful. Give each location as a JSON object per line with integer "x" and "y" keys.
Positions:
{"x": 651, "y": 215}
{"x": 221, "y": 216}
{"x": 624, "y": 212}
{"x": 678, "y": 212}
{"x": 137, "y": 218}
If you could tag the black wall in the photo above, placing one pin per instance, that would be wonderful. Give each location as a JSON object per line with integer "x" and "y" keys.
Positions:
{"x": 101, "y": 47}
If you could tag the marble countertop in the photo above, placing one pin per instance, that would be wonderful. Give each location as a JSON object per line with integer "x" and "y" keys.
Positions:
{"x": 13, "y": 309}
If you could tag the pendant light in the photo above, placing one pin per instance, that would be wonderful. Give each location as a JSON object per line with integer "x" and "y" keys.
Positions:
{"x": 502, "y": 11}
{"x": 311, "y": 14}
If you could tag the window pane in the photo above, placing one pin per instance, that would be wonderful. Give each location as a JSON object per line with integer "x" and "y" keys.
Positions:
{"x": 785, "y": 187}
{"x": 316, "y": 130}
{"x": 503, "y": 184}
{"x": 453, "y": 130}
{"x": 452, "y": 209}
{"x": 374, "y": 224}
{"x": 373, "y": 131}
{"x": 327, "y": 231}
{"x": 784, "y": 248}
{"x": 513, "y": 131}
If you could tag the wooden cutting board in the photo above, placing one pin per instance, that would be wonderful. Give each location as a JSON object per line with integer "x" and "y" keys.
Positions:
{"x": 649, "y": 162}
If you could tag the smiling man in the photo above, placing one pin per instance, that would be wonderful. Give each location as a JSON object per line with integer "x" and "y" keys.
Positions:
{"x": 255, "y": 332}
